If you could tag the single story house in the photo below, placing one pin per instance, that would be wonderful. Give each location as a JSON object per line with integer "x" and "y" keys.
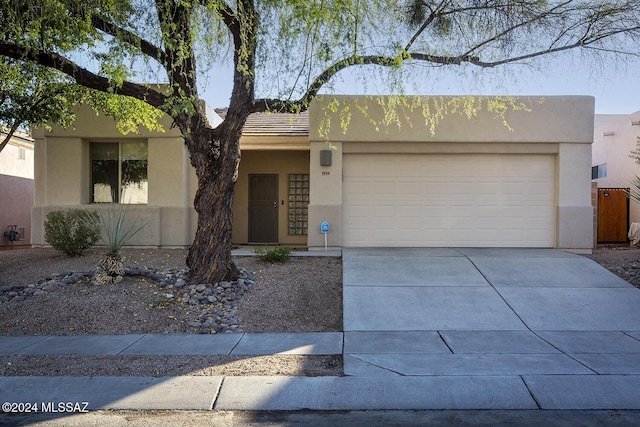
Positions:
{"x": 16, "y": 189}
{"x": 474, "y": 183}
{"x": 615, "y": 137}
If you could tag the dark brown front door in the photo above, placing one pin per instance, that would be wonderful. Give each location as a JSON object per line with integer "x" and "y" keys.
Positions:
{"x": 613, "y": 215}
{"x": 263, "y": 208}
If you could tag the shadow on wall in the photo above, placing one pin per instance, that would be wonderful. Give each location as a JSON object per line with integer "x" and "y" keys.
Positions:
{"x": 16, "y": 199}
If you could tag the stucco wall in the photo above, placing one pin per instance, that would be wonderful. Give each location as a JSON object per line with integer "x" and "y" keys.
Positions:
{"x": 16, "y": 188}
{"x": 62, "y": 175}
{"x": 559, "y": 126}
{"x": 562, "y": 126}
{"x": 553, "y": 119}
{"x": 281, "y": 163}
{"x": 612, "y": 143}
{"x": 12, "y": 163}
{"x": 16, "y": 199}
{"x": 61, "y": 186}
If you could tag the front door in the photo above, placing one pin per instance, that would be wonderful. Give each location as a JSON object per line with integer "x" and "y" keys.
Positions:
{"x": 613, "y": 215}
{"x": 263, "y": 208}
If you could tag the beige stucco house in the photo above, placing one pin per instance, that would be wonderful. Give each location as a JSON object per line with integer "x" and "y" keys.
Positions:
{"x": 474, "y": 183}
{"x": 86, "y": 167}
{"x": 615, "y": 136}
{"x": 16, "y": 189}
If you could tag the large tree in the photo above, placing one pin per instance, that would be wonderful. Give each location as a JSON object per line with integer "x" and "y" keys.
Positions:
{"x": 283, "y": 52}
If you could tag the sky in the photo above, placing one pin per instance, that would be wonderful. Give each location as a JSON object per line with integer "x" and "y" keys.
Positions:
{"x": 615, "y": 86}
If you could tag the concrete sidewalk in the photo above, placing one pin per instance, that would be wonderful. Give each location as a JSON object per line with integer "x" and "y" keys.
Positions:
{"x": 312, "y": 343}
{"x": 328, "y": 393}
{"x": 169, "y": 393}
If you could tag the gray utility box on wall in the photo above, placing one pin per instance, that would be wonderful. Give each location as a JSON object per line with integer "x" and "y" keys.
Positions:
{"x": 325, "y": 158}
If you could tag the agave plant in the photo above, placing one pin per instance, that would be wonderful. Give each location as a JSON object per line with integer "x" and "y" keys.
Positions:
{"x": 116, "y": 229}
{"x": 634, "y": 191}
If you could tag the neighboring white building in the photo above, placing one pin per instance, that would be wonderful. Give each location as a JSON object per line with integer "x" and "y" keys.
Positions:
{"x": 615, "y": 136}
{"x": 16, "y": 188}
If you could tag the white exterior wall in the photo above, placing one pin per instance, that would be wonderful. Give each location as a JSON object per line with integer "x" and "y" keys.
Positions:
{"x": 614, "y": 139}
{"x": 10, "y": 162}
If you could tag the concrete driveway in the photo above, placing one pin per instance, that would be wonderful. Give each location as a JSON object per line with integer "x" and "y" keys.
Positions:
{"x": 550, "y": 327}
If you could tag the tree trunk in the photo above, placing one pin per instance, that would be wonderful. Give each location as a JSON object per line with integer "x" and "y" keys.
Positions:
{"x": 215, "y": 154}
{"x": 210, "y": 254}
{"x": 209, "y": 257}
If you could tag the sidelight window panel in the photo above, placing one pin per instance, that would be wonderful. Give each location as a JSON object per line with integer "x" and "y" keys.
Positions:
{"x": 298, "y": 203}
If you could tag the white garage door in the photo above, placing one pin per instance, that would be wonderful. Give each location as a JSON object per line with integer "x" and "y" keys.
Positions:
{"x": 421, "y": 200}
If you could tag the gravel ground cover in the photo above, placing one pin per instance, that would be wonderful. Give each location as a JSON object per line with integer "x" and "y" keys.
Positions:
{"x": 622, "y": 260}
{"x": 302, "y": 295}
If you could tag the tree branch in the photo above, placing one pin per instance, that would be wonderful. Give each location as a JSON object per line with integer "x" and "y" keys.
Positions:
{"x": 130, "y": 38}
{"x": 293, "y": 106}
{"x": 180, "y": 64}
{"x": 226, "y": 13}
{"x": 245, "y": 39}
{"x": 514, "y": 27}
{"x": 427, "y": 22}
{"x": 277, "y": 105}
{"x": 9, "y": 135}
{"x": 81, "y": 75}
{"x": 483, "y": 64}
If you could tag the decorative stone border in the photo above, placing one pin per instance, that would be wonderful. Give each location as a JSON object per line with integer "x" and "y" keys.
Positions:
{"x": 217, "y": 302}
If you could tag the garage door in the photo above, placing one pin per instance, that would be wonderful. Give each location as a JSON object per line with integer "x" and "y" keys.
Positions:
{"x": 449, "y": 200}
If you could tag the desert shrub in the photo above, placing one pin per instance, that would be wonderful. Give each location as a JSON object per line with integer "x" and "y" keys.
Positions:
{"x": 71, "y": 231}
{"x": 116, "y": 228}
{"x": 277, "y": 254}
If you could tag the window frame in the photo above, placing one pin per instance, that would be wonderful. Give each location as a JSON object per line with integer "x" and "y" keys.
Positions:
{"x": 599, "y": 171}
{"x": 120, "y": 143}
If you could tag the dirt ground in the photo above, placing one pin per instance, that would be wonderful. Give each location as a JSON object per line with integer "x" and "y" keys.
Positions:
{"x": 301, "y": 295}
{"x": 622, "y": 260}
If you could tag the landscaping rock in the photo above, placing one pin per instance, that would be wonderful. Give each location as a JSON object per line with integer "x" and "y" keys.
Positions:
{"x": 216, "y": 301}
